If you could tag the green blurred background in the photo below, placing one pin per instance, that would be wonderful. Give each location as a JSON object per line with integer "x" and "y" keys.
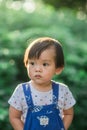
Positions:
{"x": 25, "y": 20}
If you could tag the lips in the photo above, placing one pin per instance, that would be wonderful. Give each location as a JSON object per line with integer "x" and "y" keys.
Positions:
{"x": 37, "y": 76}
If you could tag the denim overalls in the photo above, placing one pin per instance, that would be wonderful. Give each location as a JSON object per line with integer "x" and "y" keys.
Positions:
{"x": 46, "y": 117}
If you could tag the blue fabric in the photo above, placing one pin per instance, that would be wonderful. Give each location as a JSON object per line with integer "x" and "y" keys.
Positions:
{"x": 46, "y": 117}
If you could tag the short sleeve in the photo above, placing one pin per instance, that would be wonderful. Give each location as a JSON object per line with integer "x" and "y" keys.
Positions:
{"x": 15, "y": 99}
{"x": 69, "y": 100}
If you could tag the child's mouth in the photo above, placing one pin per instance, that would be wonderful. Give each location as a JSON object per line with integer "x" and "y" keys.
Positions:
{"x": 38, "y": 76}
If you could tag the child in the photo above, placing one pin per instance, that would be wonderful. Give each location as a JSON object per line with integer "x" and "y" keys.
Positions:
{"x": 41, "y": 103}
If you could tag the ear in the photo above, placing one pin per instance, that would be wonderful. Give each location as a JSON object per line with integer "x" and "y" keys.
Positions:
{"x": 59, "y": 70}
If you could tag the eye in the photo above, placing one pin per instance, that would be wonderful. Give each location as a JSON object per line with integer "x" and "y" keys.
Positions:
{"x": 45, "y": 64}
{"x": 32, "y": 63}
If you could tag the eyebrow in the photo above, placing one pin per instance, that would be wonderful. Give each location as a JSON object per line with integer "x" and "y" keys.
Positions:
{"x": 46, "y": 60}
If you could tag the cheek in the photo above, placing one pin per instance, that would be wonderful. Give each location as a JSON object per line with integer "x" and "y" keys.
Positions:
{"x": 29, "y": 70}
{"x": 49, "y": 73}
{"x": 30, "y": 74}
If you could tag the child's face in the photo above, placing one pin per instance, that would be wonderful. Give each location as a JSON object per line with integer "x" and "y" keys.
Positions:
{"x": 42, "y": 70}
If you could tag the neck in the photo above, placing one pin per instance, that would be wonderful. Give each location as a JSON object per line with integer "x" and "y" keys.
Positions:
{"x": 42, "y": 87}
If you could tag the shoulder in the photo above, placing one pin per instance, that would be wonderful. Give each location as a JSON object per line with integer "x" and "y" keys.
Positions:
{"x": 19, "y": 87}
{"x": 61, "y": 85}
{"x": 63, "y": 88}
{"x": 65, "y": 96}
{"x": 17, "y": 99}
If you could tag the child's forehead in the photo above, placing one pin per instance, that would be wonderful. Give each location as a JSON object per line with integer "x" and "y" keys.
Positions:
{"x": 46, "y": 55}
{"x": 41, "y": 59}
{"x": 46, "y": 52}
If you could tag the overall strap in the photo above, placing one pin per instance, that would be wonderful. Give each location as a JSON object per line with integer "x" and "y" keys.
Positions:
{"x": 55, "y": 87}
{"x": 27, "y": 93}
{"x": 28, "y": 97}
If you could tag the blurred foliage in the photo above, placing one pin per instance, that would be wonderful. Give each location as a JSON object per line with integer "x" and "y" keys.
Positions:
{"x": 69, "y": 27}
{"x": 80, "y": 5}
{"x": 72, "y": 4}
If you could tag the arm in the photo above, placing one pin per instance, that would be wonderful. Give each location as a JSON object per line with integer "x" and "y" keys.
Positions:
{"x": 15, "y": 118}
{"x": 68, "y": 117}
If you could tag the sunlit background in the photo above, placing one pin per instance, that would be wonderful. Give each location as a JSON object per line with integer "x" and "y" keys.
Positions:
{"x": 21, "y": 21}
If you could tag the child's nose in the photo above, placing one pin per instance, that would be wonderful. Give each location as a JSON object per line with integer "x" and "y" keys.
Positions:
{"x": 38, "y": 68}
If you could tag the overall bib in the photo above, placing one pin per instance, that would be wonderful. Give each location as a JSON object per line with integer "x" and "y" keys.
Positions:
{"x": 46, "y": 117}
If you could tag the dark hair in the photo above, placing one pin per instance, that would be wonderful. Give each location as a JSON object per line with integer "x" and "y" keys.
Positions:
{"x": 35, "y": 49}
